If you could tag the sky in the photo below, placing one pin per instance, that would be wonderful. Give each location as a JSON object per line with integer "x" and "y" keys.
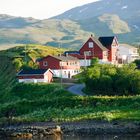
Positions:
{"x": 39, "y": 9}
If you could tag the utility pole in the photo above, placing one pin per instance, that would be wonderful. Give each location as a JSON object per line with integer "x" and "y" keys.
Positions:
{"x": 85, "y": 59}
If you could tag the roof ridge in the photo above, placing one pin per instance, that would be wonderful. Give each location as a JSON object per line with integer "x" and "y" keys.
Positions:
{"x": 98, "y": 43}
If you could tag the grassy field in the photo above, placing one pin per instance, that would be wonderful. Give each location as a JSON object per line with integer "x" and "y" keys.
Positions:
{"x": 41, "y": 102}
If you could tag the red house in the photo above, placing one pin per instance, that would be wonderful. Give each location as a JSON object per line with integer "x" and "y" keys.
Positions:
{"x": 104, "y": 48}
{"x": 35, "y": 76}
{"x": 62, "y": 66}
{"x": 111, "y": 44}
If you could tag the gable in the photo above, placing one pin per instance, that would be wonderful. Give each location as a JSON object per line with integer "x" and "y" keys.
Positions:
{"x": 49, "y": 71}
{"x": 91, "y": 43}
{"x": 115, "y": 42}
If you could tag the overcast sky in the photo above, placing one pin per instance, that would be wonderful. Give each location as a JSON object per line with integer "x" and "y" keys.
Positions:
{"x": 40, "y": 9}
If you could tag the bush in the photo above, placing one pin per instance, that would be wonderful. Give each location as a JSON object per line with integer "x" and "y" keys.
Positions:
{"x": 111, "y": 80}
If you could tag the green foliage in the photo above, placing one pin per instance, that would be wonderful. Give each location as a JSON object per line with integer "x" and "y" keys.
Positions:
{"x": 18, "y": 63}
{"x": 111, "y": 80}
{"x": 94, "y": 61}
{"x": 48, "y": 102}
{"x": 137, "y": 62}
{"x": 7, "y": 75}
{"x": 26, "y": 58}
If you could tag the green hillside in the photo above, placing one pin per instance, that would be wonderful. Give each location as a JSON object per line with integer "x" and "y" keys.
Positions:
{"x": 26, "y": 55}
{"x": 13, "y": 59}
{"x": 7, "y": 75}
{"x": 52, "y": 32}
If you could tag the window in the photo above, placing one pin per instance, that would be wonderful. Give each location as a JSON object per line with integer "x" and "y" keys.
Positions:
{"x": 90, "y": 44}
{"x": 45, "y": 63}
{"x": 87, "y": 53}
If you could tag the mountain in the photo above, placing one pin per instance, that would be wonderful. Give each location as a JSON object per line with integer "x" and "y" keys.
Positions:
{"x": 108, "y": 17}
{"x": 126, "y": 9}
{"x": 72, "y": 28}
{"x": 18, "y": 30}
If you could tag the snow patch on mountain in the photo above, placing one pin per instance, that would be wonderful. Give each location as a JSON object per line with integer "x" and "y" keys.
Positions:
{"x": 135, "y": 26}
{"x": 82, "y": 10}
{"x": 124, "y": 7}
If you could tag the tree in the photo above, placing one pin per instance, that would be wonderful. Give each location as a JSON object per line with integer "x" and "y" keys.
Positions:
{"x": 137, "y": 62}
{"x": 18, "y": 63}
{"x": 94, "y": 61}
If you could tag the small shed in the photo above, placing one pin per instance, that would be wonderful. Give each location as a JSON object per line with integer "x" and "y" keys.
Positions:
{"x": 35, "y": 76}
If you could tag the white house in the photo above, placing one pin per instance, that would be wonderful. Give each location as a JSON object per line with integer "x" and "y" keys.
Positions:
{"x": 127, "y": 53}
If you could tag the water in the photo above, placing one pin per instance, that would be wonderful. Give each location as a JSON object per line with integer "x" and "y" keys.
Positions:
{"x": 97, "y": 137}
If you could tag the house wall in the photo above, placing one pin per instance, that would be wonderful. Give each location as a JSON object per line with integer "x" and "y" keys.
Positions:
{"x": 32, "y": 81}
{"x": 128, "y": 54}
{"x": 65, "y": 73}
{"x": 52, "y": 62}
{"x": 70, "y": 65}
{"x": 96, "y": 51}
{"x": 85, "y": 62}
{"x": 47, "y": 78}
{"x": 113, "y": 51}
{"x": 31, "y": 77}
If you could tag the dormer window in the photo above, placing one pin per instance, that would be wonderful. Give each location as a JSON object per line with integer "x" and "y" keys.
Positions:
{"x": 90, "y": 44}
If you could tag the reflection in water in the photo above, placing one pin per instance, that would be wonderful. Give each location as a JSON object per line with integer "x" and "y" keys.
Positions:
{"x": 97, "y": 137}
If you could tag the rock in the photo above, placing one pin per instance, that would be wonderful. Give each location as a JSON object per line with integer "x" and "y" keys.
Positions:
{"x": 22, "y": 135}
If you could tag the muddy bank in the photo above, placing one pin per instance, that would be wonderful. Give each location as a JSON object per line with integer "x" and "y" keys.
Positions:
{"x": 72, "y": 128}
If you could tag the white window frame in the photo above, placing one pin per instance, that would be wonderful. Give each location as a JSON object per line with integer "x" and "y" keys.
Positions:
{"x": 90, "y": 44}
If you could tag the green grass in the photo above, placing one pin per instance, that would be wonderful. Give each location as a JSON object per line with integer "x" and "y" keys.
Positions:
{"x": 7, "y": 75}
{"x": 48, "y": 102}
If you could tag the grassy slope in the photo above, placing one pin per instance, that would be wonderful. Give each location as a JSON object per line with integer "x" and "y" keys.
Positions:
{"x": 32, "y": 50}
{"x": 7, "y": 75}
